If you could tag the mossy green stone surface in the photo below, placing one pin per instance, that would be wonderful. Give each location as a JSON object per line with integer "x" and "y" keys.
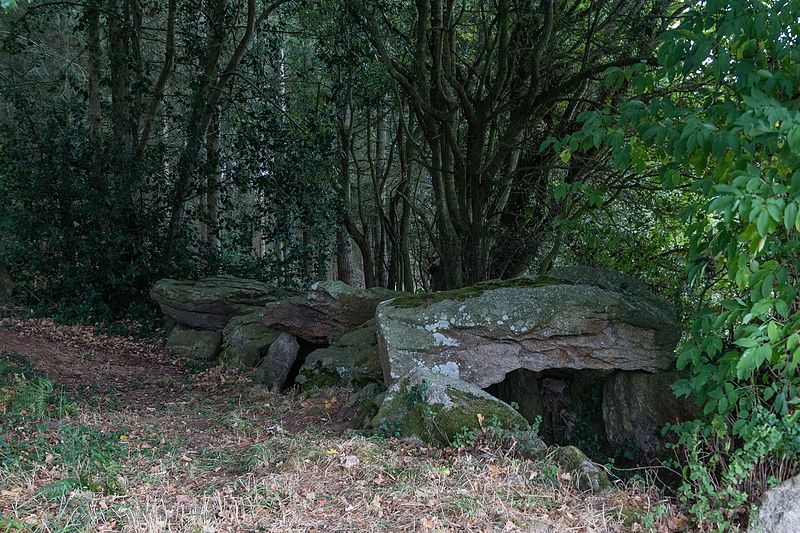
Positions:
{"x": 366, "y": 402}
{"x": 195, "y": 344}
{"x": 327, "y": 311}
{"x": 210, "y": 303}
{"x": 436, "y": 408}
{"x": 351, "y": 361}
{"x": 459, "y": 295}
{"x": 586, "y": 475}
{"x": 246, "y": 340}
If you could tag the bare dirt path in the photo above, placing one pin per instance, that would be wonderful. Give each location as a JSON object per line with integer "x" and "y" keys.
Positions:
{"x": 84, "y": 363}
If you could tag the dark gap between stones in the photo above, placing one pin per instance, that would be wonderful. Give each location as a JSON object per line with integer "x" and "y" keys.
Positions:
{"x": 568, "y": 401}
{"x": 306, "y": 348}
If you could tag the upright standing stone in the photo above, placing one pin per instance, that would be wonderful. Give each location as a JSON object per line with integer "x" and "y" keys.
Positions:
{"x": 637, "y": 406}
{"x": 194, "y": 343}
{"x": 246, "y": 340}
{"x": 351, "y": 360}
{"x": 276, "y": 365}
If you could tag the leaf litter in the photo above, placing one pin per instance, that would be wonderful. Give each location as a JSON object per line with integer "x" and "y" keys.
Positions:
{"x": 211, "y": 452}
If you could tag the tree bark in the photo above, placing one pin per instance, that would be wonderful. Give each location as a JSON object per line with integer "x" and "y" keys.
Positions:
{"x": 119, "y": 55}
{"x": 213, "y": 184}
{"x": 206, "y": 99}
{"x": 345, "y": 266}
{"x": 345, "y": 131}
{"x": 93, "y": 88}
{"x": 150, "y": 114}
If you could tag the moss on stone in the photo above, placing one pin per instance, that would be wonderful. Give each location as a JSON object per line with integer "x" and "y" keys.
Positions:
{"x": 585, "y": 474}
{"x": 459, "y": 295}
{"x": 351, "y": 360}
{"x": 228, "y": 289}
{"x": 436, "y": 408}
{"x": 194, "y": 343}
{"x": 246, "y": 340}
{"x": 366, "y": 402}
{"x": 450, "y": 422}
{"x": 318, "y": 377}
{"x": 527, "y": 443}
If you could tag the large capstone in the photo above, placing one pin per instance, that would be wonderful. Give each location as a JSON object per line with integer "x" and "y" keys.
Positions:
{"x": 351, "y": 360}
{"x": 436, "y": 408}
{"x": 569, "y": 320}
{"x": 210, "y": 303}
{"x": 328, "y": 310}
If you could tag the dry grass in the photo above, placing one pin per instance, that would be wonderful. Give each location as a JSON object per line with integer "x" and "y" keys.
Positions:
{"x": 221, "y": 455}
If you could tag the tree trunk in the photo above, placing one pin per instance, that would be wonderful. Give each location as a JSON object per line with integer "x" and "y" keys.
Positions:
{"x": 93, "y": 89}
{"x": 205, "y": 101}
{"x": 406, "y": 151}
{"x": 213, "y": 184}
{"x": 119, "y": 55}
{"x": 345, "y": 266}
{"x": 308, "y": 256}
{"x": 345, "y": 130}
{"x": 378, "y": 172}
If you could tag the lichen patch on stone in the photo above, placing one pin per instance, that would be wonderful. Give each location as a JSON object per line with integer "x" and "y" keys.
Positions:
{"x": 443, "y": 340}
{"x": 449, "y": 369}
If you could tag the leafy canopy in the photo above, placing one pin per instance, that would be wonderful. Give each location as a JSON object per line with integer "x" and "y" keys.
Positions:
{"x": 720, "y": 116}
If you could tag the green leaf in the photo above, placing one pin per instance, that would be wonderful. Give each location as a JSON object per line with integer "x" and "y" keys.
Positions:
{"x": 761, "y": 307}
{"x": 792, "y": 341}
{"x": 793, "y": 139}
{"x": 722, "y": 406}
{"x": 746, "y": 363}
{"x": 774, "y": 211}
{"x": 766, "y": 285}
{"x": 762, "y": 224}
{"x": 762, "y": 353}
{"x": 773, "y": 332}
{"x": 782, "y": 308}
{"x": 746, "y": 342}
{"x": 790, "y": 216}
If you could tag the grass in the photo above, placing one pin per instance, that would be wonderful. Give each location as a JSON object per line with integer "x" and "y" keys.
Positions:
{"x": 223, "y": 455}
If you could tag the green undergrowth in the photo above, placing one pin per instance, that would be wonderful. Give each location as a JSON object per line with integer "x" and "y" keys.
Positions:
{"x": 26, "y": 394}
{"x": 39, "y": 429}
